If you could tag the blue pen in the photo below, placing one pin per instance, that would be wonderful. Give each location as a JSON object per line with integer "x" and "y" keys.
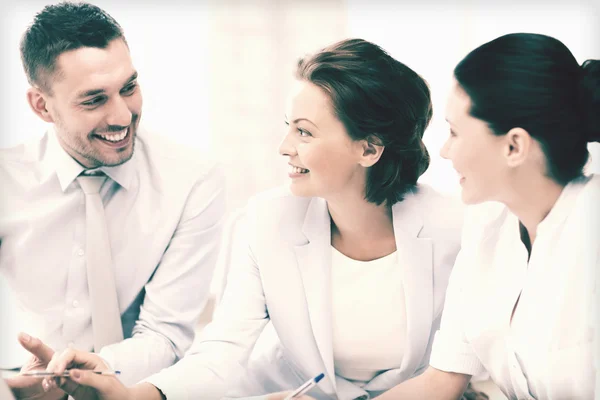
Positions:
{"x": 43, "y": 374}
{"x": 305, "y": 387}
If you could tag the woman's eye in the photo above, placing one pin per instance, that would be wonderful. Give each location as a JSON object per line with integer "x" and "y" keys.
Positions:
{"x": 303, "y": 133}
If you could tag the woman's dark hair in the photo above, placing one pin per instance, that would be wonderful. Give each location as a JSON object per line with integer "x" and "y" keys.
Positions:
{"x": 59, "y": 28}
{"x": 379, "y": 99}
{"x": 533, "y": 82}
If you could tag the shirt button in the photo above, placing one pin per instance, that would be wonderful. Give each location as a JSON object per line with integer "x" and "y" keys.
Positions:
{"x": 80, "y": 252}
{"x": 75, "y": 304}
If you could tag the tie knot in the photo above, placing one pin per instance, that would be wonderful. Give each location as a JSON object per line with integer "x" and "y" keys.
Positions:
{"x": 91, "y": 184}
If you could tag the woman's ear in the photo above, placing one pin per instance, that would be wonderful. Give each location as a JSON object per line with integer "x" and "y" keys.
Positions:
{"x": 372, "y": 149}
{"x": 518, "y": 146}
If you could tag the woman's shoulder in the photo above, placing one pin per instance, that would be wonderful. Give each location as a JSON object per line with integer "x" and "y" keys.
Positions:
{"x": 437, "y": 209}
{"x": 426, "y": 196}
{"x": 592, "y": 184}
{"x": 277, "y": 200}
{"x": 588, "y": 197}
{"x": 278, "y": 209}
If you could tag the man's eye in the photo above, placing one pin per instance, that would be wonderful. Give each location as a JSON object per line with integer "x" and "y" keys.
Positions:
{"x": 94, "y": 102}
{"x": 129, "y": 88}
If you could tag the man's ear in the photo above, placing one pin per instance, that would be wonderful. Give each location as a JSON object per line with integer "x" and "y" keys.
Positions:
{"x": 372, "y": 149}
{"x": 518, "y": 146}
{"x": 37, "y": 101}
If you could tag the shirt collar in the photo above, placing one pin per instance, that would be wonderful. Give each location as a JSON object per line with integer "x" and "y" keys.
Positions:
{"x": 67, "y": 169}
{"x": 564, "y": 204}
{"x": 122, "y": 174}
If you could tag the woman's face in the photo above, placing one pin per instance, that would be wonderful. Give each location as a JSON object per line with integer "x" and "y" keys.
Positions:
{"x": 324, "y": 161}
{"x": 476, "y": 153}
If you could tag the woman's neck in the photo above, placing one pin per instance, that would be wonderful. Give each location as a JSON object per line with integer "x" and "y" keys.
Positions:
{"x": 361, "y": 230}
{"x": 532, "y": 200}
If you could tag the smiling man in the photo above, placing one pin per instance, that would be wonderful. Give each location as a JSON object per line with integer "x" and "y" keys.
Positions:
{"x": 93, "y": 99}
{"x": 108, "y": 233}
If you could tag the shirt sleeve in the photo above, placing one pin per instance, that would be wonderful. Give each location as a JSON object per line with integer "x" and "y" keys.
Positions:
{"x": 178, "y": 290}
{"x": 451, "y": 351}
{"x": 219, "y": 357}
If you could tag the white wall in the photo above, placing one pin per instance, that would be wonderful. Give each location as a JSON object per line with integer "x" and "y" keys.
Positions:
{"x": 433, "y": 37}
{"x": 253, "y": 50}
{"x": 215, "y": 75}
{"x": 168, "y": 47}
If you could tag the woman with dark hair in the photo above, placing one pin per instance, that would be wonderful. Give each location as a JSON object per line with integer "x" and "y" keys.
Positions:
{"x": 522, "y": 302}
{"x": 345, "y": 271}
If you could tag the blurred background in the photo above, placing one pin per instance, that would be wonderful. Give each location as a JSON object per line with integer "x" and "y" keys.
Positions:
{"x": 216, "y": 74}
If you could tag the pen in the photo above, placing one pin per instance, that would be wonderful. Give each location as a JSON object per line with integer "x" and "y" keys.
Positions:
{"x": 305, "y": 387}
{"x": 42, "y": 374}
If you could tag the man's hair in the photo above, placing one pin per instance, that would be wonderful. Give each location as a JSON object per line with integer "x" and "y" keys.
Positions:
{"x": 59, "y": 28}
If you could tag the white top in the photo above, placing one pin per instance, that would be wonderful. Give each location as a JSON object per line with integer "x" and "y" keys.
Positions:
{"x": 548, "y": 350}
{"x": 273, "y": 328}
{"x": 163, "y": 210}
{"x": 369, "y": 316}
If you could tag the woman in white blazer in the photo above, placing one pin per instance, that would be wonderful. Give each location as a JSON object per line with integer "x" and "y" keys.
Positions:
{"x": 521, "y": 115}
{"x": 345, "y": 271}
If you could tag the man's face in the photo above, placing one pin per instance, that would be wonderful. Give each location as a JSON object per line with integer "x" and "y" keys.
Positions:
{"x": 96, "y": 104}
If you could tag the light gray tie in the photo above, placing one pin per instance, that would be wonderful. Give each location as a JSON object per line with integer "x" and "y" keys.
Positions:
{"x": 106, "y": 317}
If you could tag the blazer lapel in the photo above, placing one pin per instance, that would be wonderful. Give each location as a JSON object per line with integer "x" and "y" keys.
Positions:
{"x": 314, "y": 262}
{"x": 415, "y": 257}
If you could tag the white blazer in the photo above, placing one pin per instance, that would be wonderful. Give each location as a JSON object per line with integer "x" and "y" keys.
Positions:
{"x": 281, "y": 281}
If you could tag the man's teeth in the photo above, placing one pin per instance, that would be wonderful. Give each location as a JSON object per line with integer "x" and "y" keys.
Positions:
{"x": 115, "y": 137}
{"x": 297, "y": 170}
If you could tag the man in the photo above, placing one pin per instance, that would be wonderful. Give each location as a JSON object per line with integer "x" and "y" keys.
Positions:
{"x": 90, "y": 228}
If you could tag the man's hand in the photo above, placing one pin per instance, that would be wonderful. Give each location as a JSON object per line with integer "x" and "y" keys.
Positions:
{"x": 28, "y": 387}
{"x": 83, "y": 383}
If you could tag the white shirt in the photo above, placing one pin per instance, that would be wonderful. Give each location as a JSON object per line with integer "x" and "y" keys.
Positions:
{"x": 547, "y": 350}
{"x": 5, "y": 392}
{"x": 369, "y": 316}
{"x": 163, "y": 210}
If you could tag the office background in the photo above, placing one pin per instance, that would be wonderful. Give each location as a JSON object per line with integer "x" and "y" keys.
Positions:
{"x": 215, "y": 74}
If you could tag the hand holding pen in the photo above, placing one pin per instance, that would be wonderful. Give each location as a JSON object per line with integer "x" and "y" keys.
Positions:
{"x": 82, "y": 375}
{"x": 305, "y": 387}
{"x": 65, "y": 374}
{"x": 299, "y": 393}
